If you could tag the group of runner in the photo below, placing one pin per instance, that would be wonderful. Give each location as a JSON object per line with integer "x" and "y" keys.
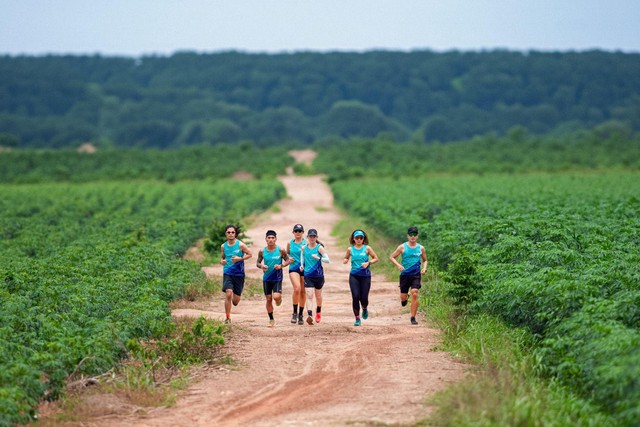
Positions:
{"x": 304, "y": 257}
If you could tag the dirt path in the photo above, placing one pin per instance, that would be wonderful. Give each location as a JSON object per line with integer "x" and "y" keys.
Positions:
{"x": 330, "y": 373}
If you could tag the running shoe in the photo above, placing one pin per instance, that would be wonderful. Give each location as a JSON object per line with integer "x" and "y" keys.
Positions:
{"x": 414, "y": 321}
{"x": 365, "y": 314}
{"x": 294, "y": 318}
{"x": 310, "y": 320}
{"x": 300, "y": 321}
{"x": 318, "y": 317}
{"x": 272, "y": 323}
{"x": 227, "y": 320}
{"x": 357, "y": 322}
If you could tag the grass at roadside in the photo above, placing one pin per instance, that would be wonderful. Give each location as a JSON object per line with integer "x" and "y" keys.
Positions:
{"x": 503, "y": 387}
{"x": 153, "y": 372}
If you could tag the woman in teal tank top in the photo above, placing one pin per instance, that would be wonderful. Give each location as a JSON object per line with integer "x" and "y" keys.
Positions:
{"x": 296, "y": 275}
{"x": 361, "y": 256}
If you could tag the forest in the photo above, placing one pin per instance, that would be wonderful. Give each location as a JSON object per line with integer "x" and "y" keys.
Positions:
{"x": 301, "y": 98}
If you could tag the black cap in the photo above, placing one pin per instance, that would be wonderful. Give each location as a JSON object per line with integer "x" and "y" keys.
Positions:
{"x": 271, "y": 233}
{"x": 412, "y": 230}
{"x": 312, "y": 232}
{"x": 298, "y": 227}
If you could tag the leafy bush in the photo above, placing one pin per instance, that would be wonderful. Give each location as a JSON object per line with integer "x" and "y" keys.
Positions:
{"x": 215, "y": 236}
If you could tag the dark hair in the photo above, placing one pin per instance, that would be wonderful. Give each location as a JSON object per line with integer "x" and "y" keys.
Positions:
{"x": 271, "y": 233}
{"x": 231, "y": 226}
{"x": 352, "y": 239}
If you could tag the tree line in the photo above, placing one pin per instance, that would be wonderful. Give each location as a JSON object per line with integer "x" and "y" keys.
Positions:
{"x": 299, "y": 98}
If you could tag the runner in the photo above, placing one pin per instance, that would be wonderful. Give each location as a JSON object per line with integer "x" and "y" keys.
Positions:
{"x": 313, "y": 255}
{"x": 233, "y": 255}
{"x": 361, "y": 256}
{"x": 271, "y": 260}
{"x": 413, "y": 254}
{"x": 296, "y": 275}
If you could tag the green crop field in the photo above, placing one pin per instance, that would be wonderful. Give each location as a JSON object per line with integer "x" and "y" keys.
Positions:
{"x": 557, "y": 254}
{"x": 87, "y": 267}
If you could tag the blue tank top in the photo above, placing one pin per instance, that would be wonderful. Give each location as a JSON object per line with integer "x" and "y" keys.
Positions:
{"x": 294, "y": 254}
{"x": 271, "y": 259}
{"x": 230, "y": 268}
{"x": 411, "y": 258}
{"x": 359, "y": 256}
{"x": 312, "y": 266}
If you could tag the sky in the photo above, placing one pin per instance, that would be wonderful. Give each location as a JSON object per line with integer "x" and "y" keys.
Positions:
{"x": 163, "y": 27}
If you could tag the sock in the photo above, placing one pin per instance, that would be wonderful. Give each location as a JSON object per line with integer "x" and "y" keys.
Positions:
{"x": 270, "y": 315}
{"x": 404, "y": 303}
{"x": 295, "y": 308}
{"x": 318, "y": 309}
{"x": 309, "y": 312}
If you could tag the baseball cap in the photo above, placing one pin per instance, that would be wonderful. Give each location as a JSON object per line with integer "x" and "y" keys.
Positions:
{"x": 312, "y": 232}
{"x": 298, "y": 227}
{"x": 271, "y": 233}
{"x": 412, "y": 230}
{"x": 358, "y": 233}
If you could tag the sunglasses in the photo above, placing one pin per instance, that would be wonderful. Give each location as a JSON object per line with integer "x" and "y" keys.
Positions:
{"x": 298, "y": 231}
{"x": 413, "y": 234}
{"x": 231, "y": 232}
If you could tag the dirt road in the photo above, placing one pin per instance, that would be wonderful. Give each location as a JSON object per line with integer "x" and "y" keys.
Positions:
{"x": 326, "y": 374}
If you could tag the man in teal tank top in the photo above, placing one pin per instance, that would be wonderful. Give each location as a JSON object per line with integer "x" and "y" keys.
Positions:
{"x": 271, "y": 260}
{"x": 233, "y": 255}
{"x": 413, "y": 255}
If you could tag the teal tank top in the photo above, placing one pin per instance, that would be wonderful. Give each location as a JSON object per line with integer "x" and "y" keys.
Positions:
{"x": 230, "y": 268}
{"x": 411, "y": 258}
{"x": 312, "y": 266}
{"x": 359, "y": 256}
{"x": 294, "y": 254}
{"x": 271, "y": 259}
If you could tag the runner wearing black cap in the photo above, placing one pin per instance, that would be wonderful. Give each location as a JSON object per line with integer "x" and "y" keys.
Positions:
{"x": 413, "y": 254}
{"x": 296, "y": 275}
{"x": 313, "y": 255}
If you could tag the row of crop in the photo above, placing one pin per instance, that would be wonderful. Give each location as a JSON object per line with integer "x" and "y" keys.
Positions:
{"x": 195, "y": 162}
{"x": 606, "y": 146}
{"x": 557, "y": 254}
{"x": 86, "y": 267}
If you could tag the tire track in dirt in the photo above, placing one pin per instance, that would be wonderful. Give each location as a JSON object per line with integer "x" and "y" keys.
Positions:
{"x": 330, "y": 373}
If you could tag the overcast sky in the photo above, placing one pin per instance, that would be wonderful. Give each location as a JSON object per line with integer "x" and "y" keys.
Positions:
{"x": 142, "y": 27}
